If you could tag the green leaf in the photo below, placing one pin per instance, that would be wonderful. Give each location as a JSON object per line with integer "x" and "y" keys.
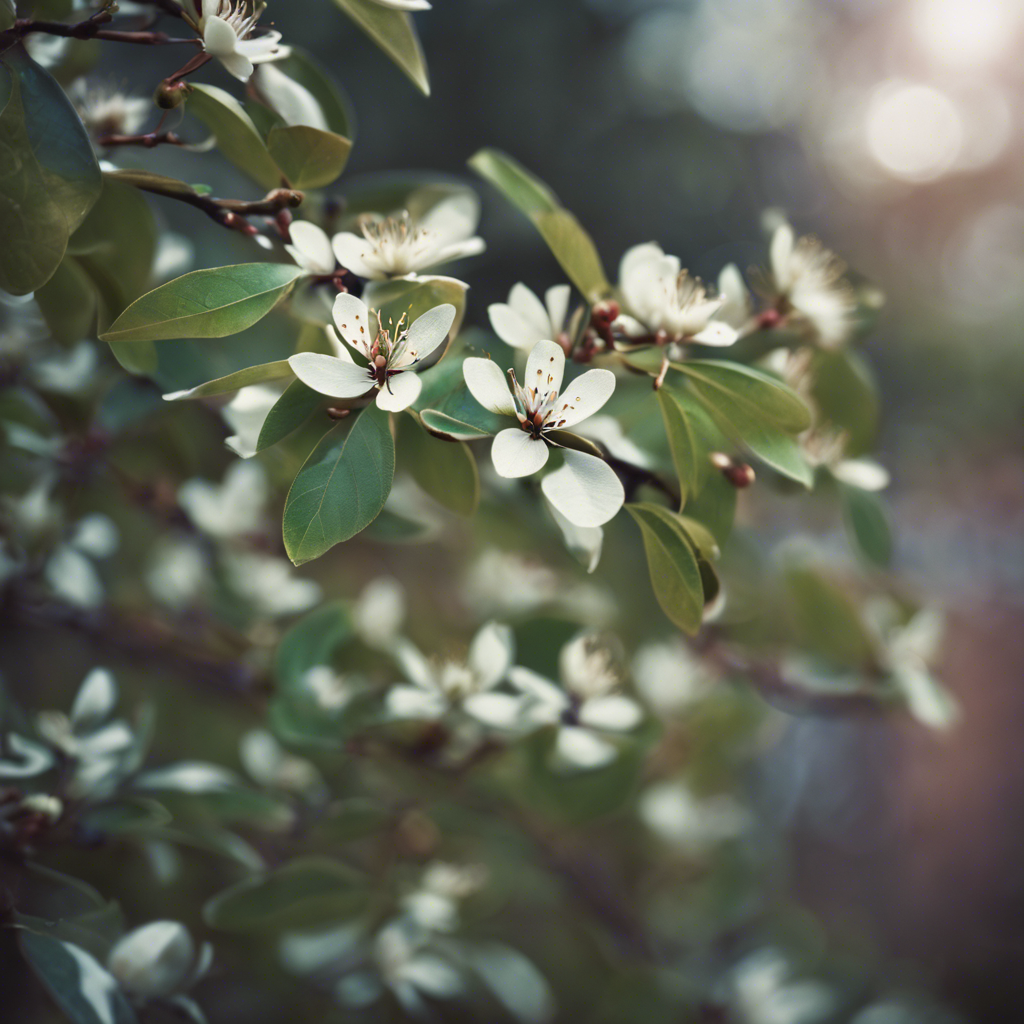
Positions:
{"x": 206, "y": 303}
{"x": 301, "y": 68}
{"x": 8, "y": 15}
{"x": 463, "y": 423}
{"x": 68, "y": 302}
{"x": 393, "y": 31}
{"x": 447, "y": 472}
{"x": 826, "y": 620}
{"x": 277, "y": 370}
{"x": 414, "y": 298}
{"x": 691, "y": 438}
{"x": 148, "y": 181}
{"x": 237, "y": 137}
{"x": 308, "y": 157}
{"x": 565, "y": 237}
{"x": 771, "y": 445}
{"x": 133, "y": 814}
{"x": 49, "y": 178}
{"x": 567, "y": 439}
{"x": 675, "y": 575}
{"x": 868, "y": 523}
{"x": 846, "y": 397}
{"x": 288, "y": 413}
{"x": 714, "y": 507}
{"x": 729, "y": 385}
{"x": 85, "y": 992}
{"x": 306, "y": 892}
{"x": 341, "y": 487}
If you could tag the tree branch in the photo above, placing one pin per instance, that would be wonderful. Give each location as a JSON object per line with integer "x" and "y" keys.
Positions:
{"x": 92, "y": 28}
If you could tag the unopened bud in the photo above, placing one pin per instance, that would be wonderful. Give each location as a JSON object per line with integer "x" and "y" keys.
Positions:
{"x": 336, "y": 413}
{"x": 769, "y": 319}
{"x": 155, "y": 960}
{"x": 169, "y": 95}
{"x": 739, "y": 474}
{"x": 604, "y": 313}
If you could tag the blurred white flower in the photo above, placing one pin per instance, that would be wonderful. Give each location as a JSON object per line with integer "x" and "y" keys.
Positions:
{"x": 670, "y": 676}
{"x": 470, "y": 685}
{"x": 188, "y": 777}
{"x": 21, "y": 758}
{"x": 737, "y": 308}
{"x": 175, "y": 255}
{"x": 379, "y": 612}
{"x": 434, "y": 905}
{"x": 70, "y": 572}
{"x": 226, "y": 28}
{"x": 583, "y": 542}
{"x": 270, "y": 765}
{"x": 330, "y": 691}
{"x": 588, "y": 709}
{"x": 177, "y": 572}
{"x": 405, "y": 5}
{"x": 411, "y": 971}
{"x": 44, "y": 804}
{"x": 158, "y": 960}
{"x": 400, "y": 245}
{"x": 524, "y": 319}
{"x": 676, "y": 815}
{"x": 67, "y": 373}
{"x": 269, "y": 584}
{"x": 245, "y": 414}
{"x": 808, "y": 287}
{"x": 666, "y": 304}
{"x": 108, "y": 111}
{"x": 310, "y": 247}
{"x": 761, "y": 992}
{"x": 232, "y": 508}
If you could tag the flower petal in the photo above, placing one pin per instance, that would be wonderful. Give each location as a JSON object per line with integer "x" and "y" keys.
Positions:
{"x": 585, "y": 490}
{"x": 582, "y": 748}
{"x": 779, "y": 254}
{"x": 353, "y": 321}
{"x": 490, "y": 654}
{"x": 311, "y": 248}
{"x": 583, "y": 397}
{"x": 238, "y": 65}
{"x": 488, "y": 386}
{"x": 511, "y": 327}
{"x": 539, "y": 689}
{"x": 557, "y": 299}
{"x": 427, "y": 331}
{"x": 453, "y": 218}
{"x": 516, "y": 453}
{"x": 330, "y": 376}
{"x": 500, "y": 710}
{"x": 352, "y": 252}
{"x": 614, "y": 712}
{"x": 718, "y": 334}
{"x": 412, "y": 702}
{"x": 866, "y": 474}
{"x": 545, "y": 367}
{"x": 526, "y": 305}
{"x": 399, "y": 392}
{"x": 219, "y": 38}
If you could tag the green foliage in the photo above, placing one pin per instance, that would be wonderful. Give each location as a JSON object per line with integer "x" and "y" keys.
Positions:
{"x": 447, "y": 472}
{"x": 393, "y": 31}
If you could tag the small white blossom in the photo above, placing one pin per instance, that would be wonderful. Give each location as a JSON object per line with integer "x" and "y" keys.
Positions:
{"x": 379, "y": 612}
{"x": 226, "y": 27}
{"x": 585, "y": 490}
{"x": 809, "y": 289}
{"x": 762, "y": 992}
{"x": 310, "y": 247}
{"x": 330, "y": 691}
{"x": 666, "y": 304}
{"x": 158, "y": 960}
{"x": 400, "y": 245}
{"x": 177, "y": 572}
{"x": 21, "y": 758}
{"x": 675, "y": 814}
{"x": 269, "y": 764}
{"x": 108, "y": 111}
{"x": 670, "y": 676}
{"x": 232, "y": 508}
{"x": 68, "y": 373}
{"x": 245, "y": 414}
{"x": 269, "y": 584}
{"x": 434, "y": 906}
{"x": 471, "y": 685}
{"x": 587, "y": 709}
{"x": 391, "y": 352}
{"x": 524, "y": 320}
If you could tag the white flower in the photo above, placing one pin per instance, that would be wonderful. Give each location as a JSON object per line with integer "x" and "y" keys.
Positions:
{"x": 231, "y": 509}
{"x": 269, "y": 584}
{"x": 379, "y": 612}
{"x": 763, "y": 994}
{"x": 586, "y": 708}
{"x": 226, "y": 27}
{"x": 585, "y": 490}
{"x": 670, "y": 676}
{"x": 524, "y": 320}
{"x": 827, "y": 448}
{"x": 400, "y": 245}
{"x": 68, "y": 373}
{"x": 412, "y": 971}
{"x": 269, "y": 764}
{"x": 177, "y": 572}
{"x": 158, "y": 960}
{"x": 293, "y": 102}
{"x": 390, "y": 352}
{"x": 310, "y": 247}
{"x": 245, "y": 414}
{"x": 434, "y": 906}
{"x": 329, "y": 691}
{"x": 471, "y": 685}
{"x": 108, "y": 111}
{"x": 673, "y": 812}
{"x": 809, "y": 288}
{"x": 70, "y": 572}
{"x": 737, "y": 308}
{"x": 666, "y": 302}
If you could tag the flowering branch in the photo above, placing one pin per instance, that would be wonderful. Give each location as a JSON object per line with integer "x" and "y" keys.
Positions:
{"x": 92, "y": 28}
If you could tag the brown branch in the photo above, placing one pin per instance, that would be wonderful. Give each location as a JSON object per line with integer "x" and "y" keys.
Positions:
{"x": 92, "y": 28}
{"x": 148, "y": 140}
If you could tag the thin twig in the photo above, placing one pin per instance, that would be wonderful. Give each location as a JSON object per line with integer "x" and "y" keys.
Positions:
{"x": 148, "y": 140}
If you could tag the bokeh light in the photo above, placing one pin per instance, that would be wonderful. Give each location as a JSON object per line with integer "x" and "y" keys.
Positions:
{"x": 966, "y": 33}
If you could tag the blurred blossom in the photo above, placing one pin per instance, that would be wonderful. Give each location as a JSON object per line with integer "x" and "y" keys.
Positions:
{"x": 583, "y": 542}
{"x": 434, "y": 904}
{"x": 158, "y": 960}
{"x": 330, "y": 691}
{"x": 269, "y": 584}
{"x": 177, "y": 572}
{"x": 270, "y": 765}
{"x": 68, "y": 372}
{"x": 106, "y": 110}
{"x": 175, "y": 255}
{"x": 966, "y": 34}
{"x": 379, "y": 612}
{"x": 245, "y": 415}
{"x": 670, "y": 676}
{"x": 70, "y": 572}
{"x": 232, "y": 508}
{"x": 695, "y": 825}
{"x": 411, "y": 971}
{"x": 21, "y": 758}
{"x": 762, "y": 992}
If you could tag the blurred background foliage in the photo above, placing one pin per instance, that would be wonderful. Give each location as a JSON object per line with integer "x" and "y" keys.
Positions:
{"x": 892, "y": 129}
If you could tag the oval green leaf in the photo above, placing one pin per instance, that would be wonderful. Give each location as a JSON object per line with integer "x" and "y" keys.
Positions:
{"x": 447, "y": 472}
{"x": 308, "y": 157}
{"x": 393, "y": 31}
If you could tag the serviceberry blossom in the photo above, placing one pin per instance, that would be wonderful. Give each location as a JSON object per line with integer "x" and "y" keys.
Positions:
{"x": 404, "y": 244}
{"x": 666, "y": 304}
{"x": 587, "y": 709}
{"x": 311, "y": 248}
{"x": 585, "y": 490}
{"x": 524, "y": 320}
{"x": 226, "y": 27}
{"x": 390, "y": 353}
{"x": 807, "y": 287}
{"x": 108, "y": 111}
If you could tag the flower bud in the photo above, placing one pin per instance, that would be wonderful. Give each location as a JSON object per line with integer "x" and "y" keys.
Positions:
{"x": 155, "y": 960}
{"x": 169, "y": 95}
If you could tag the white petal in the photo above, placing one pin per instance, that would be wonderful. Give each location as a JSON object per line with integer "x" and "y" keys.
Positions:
{"x": 96, "y": 698}
{"x": 453, "y": 218}
{"x": 352, "y": 251}
{"x": 530, "y": 309}
{"x": 487, "y": 384}
{"x": 412, "y": 702}
{"x": 415, "y": 666}
{"x": 557, "y": 299}
{"x": 352, "y": 319}
{"x": 330, "y": 376}
{"x": 313, "y": 247}
{"x": 541, "y": 690}
{"x": 545, "y": 366}
{"x": 458, "y": 250}
{"x": 731, "y": 286}
{"x": 219, "y": 38}
{"x": 717, "y": 333}
{"x": 501, "y": 710}
{"x": 238, "y": 65}
{"x": 516, "y": 453}
{"x": 490, "y": 653}
{"x": 779, "y": 255}
{"x": 511, "y": 327}
{"x": 429, "y": 330}
{"x": 583, "y": 397}
{"x": 209, "y": 9}
{"x": 585, "y": 542}
{"x": 294, "y": 102}
{"x": 866, "y": 474}
{"x": 585, "y": 490}
{"x": 400, "y": 392}
{"x": 582, "y": 748}
{"x": 615, "y": 712}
